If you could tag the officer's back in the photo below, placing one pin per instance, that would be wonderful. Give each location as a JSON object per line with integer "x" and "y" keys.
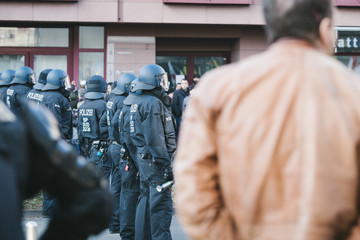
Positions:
{"x": 90, "y": 113}
{"x": 19, "y": 87}
{"x": 5, "y": 80}
{"x": 36, "y": 94}
{"x": 55, "y": 99}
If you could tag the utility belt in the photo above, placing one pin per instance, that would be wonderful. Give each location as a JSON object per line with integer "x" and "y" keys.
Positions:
{"x": 124, "y": 153}
{"x": 115, "y": 143}
{"x": 100, "y": 144}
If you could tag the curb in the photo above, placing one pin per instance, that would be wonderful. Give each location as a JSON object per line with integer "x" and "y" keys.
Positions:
{"x": 33, "y": 214}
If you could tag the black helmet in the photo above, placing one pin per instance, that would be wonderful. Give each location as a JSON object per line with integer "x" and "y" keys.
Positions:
{"x": 133, "y": 95}
{"x": 57, "y": 79}
{"x": 95, "y": 87}
{"x": 152, "y": 76}
{"x": 123, "y": 83}
{"x": 41, "y": 82}
{"x": 23, "y": 75}
{"x": 7, "y": 77}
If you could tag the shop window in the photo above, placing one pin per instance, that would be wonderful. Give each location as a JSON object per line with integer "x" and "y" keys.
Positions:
{"x": 34, "y": 37}
{"x": 210, "y": 1}
{"x": 91, "y": 37}
{"x": 90, "y": 63}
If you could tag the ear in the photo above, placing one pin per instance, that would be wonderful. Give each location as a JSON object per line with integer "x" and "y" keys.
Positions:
{"x": 326, "y": 36}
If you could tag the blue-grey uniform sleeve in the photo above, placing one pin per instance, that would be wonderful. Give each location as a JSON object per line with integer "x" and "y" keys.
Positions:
{"x": 169, "y": 130}
{"x": 66, "y": 122}
{"x": 103, "y": 127}
{"x": 115, "y": 127}
{"x": 154, "y": 134}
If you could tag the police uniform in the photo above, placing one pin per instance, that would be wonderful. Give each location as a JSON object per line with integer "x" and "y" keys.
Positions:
{"x": 152, "y": 132}
{"x": 92, "y": 134}
{"x": 3, "y": 90}
{"x": 130, "y": 184}
{"x": 36, "y": 158}
{"x": 19, "y": 87}
{"x": 114, "y": 104}
{"x": 56, "y": 102}
{"x": 5, "y": 80}
{"x": 52, "y": 98}
{"x": 124, "y": 211}
{"x": 36, "y": 94}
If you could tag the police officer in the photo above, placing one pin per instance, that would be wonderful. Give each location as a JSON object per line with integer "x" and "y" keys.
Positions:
{"x": 130, "y": 184}
{"x": 93, "y": 135}
{"x": 54, "y": 97}
{"x": 19, "y": 87}
{"x": 35, "y": 158}
{"x": 114, "y": 105}
{"x": 152, "y": 132}
{"x": 36, "y": 94}
{"x": 5, "y": 80}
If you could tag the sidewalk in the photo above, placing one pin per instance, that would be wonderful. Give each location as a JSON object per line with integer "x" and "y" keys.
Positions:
{"x": 36, "y": 216}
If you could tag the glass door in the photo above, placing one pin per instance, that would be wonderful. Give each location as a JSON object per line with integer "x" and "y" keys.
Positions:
{"x": 11, "y": 61}
{"x": 42, "y": 62}
{"x": 183, "y": 65}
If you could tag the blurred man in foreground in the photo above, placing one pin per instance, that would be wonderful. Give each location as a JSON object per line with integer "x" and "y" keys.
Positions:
{"x": 270, "y": 151}
{"x": 36, "y": 158}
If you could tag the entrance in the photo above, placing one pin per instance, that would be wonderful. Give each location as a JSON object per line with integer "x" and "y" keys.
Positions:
{"x": 180, "y": 65}
{"x": 37, "y": 60}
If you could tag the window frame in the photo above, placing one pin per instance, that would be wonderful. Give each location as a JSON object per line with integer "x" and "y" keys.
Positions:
{"x": 347, "y": 3}
{"x": 235, "y": 2}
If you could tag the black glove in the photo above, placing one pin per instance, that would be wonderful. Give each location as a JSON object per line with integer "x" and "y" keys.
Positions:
{"x": 168, "y": 174}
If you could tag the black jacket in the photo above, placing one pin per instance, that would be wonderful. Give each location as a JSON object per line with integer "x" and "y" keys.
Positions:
{"x": 178, "y": 100}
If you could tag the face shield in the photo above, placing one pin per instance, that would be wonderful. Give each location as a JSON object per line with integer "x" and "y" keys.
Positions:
{"x": 33, "y": 78}
{"x": 164, "y": 81}
{"x": 67, "y": 83}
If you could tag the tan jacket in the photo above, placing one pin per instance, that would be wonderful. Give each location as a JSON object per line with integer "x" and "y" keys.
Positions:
{"x": 268, "y": 149}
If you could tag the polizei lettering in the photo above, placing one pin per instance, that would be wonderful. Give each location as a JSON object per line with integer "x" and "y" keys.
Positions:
{"x": 35, "y": 96}
{"x": 86, "y": 112}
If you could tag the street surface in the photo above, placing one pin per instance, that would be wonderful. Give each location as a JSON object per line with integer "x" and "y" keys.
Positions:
{"x": 36, "y": 216}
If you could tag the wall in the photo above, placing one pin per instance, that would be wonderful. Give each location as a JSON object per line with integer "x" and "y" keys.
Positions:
{"x": 82, "y": 11}
{"x": 155, "y": 11}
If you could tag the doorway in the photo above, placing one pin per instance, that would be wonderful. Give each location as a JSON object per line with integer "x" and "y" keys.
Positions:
{"x": 184, "y": 65}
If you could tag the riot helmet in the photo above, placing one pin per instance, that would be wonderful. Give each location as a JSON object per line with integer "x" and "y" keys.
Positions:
{"x": 123, "y": 83}
{"x": 24, "y": 75}
{"x": 152, "y": 76}
{"x": 41, "y": 81}
{"x": 133, "y": 94}
{"x": 7, "y": 77}
{"x": 57, "y": 79}
{"x": 95, "y": 87}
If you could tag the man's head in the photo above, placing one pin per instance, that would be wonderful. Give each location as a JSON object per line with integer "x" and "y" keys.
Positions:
{"x": 309, "y": 20}
{"x": 196, "y": 78}
{"x": 184, "y": 84}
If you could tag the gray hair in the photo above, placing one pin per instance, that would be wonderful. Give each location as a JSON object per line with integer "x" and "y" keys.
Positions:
{"x": 298, "y": 19}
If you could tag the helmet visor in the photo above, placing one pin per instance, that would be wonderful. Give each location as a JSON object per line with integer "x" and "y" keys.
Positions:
{"x": 33, "y": 78}
{"x": 67, "y": 83}
{"x": 164, "y": 81}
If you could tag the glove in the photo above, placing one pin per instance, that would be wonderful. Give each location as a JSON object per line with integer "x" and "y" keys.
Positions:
{"x": 168, "y": 174}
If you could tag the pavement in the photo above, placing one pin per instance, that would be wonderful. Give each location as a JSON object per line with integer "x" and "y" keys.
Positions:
{"x": 36, "y": 216}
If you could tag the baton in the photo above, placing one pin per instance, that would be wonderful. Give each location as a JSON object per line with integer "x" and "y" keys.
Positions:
{"x": 164, "y": 186}
{"x": 31, "y": 230}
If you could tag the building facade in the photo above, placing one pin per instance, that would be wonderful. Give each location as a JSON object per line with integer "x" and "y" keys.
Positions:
{"x": 110, "y": 37}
